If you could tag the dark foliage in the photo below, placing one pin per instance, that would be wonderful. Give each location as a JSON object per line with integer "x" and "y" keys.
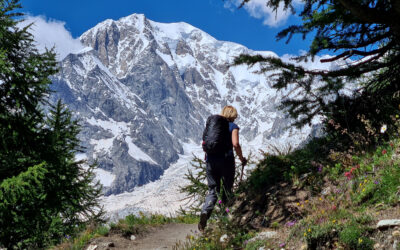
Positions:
{"x": 44, "y": 192}
{"x": 365, "y": 33}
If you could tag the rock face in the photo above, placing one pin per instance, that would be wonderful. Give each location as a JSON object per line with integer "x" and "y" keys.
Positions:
{"x": 141, "y": 88}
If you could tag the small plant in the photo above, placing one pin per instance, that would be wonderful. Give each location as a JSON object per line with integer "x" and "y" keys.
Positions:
{"x": 378, "y": 178}
{"x": 81, "y": 239}
{"x": 352, "y": 236}
{"x": 321, "y": 235}
{"x": 275, "y": 225}
{"x": 258, "y": 244}
{"x": 197, "y": 188}
{"x": 102, "y": 231}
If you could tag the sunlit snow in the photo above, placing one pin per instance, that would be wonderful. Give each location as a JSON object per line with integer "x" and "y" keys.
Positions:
{"x": 136, "y": 152}
{"x": 251, "y": 93}
{"x": 161, "y": 196}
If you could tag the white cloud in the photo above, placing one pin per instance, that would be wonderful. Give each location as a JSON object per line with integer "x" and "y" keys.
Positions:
{"x": 52, "y": 33}
{"x": 258, "y": 9}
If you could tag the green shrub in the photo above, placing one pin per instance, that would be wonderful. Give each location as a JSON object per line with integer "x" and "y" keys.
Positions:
{"x": 275, "y": 224}
{"x": 318, "y": 236}
{"x": 268, "y": 172}
{"x": 255, "y": 245}
{"x": 387, "y": 186}
{"x": 383, "y": 182}
{"x": 102, "y": 231}
{"x": 289, "y": 167}
{"x": 352, "y": 237}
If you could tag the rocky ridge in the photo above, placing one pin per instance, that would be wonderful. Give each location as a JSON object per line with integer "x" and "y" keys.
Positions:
{"x": 142, "y": 88}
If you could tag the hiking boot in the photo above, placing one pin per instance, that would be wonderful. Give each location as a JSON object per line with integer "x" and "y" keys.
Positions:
{"x": 203, "y": 222}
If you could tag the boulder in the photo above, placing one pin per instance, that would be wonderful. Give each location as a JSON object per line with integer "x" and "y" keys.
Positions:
{"x": 264, "y": 235}
{"x": 223, "y": 238}
{"x": 388, "y": 223}
{"x": 91, "y": 247}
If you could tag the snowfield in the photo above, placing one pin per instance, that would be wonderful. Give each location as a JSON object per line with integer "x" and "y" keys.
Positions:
{"x": 145, "y": 88}
{"x": 158, "y": 197}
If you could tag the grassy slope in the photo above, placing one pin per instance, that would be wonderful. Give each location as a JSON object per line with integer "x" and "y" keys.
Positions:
{"x": 336, "y": 199}
{"x": 311, "y": 197}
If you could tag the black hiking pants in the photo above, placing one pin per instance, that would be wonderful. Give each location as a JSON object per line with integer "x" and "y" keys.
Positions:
{"x": 218, "y": 169}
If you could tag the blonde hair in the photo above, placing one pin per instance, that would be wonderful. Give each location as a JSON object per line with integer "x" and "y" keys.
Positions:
{"x": 229, "y": 113}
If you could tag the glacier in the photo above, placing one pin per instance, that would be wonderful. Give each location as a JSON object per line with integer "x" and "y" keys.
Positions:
{"x": 142, "y": 91}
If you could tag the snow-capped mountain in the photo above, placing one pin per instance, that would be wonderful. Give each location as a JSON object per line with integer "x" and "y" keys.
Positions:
{"x": 143, "y": 89}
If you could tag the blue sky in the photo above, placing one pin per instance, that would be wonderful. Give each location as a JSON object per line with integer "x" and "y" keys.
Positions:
{"x": 254, "y": 26}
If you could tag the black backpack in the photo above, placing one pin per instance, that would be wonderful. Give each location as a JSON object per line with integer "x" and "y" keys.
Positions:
{"x": 216, "y": 136}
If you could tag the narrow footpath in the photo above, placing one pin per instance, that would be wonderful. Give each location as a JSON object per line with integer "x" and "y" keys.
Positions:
{"x": 163, "y": 237}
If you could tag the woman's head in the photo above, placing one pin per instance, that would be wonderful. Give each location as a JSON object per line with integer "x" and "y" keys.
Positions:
{"x": 229, "y": 113}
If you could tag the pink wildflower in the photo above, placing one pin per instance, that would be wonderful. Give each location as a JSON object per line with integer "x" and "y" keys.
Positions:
{"x": 348, "y": 175}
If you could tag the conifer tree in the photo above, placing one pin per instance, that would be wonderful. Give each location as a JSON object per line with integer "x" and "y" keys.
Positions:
{"x": 366, "y": 33}
{"x": 44, "y": 192}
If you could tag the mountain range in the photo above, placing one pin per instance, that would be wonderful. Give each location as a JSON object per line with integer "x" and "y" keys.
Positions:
{"x": 142, "y": 90}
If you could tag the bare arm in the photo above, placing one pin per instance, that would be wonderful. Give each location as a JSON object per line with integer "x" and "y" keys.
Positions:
{"x": 236, "y": 145}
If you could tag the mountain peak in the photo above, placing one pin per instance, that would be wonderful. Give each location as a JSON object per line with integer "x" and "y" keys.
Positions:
{"x": 147, "y": 88}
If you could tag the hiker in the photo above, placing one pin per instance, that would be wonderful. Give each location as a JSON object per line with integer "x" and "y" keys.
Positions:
{"x": 220, "y": 136}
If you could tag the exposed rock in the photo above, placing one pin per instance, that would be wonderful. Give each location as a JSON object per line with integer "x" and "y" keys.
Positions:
{"x": 223, "y": 238}
{"x": 396, "y": 233}
{"x": 302, "y": 195}
{"x": 91, "y": 247}
{"x": 108, "y": 244}
{"x": 377, "y": 246}
{"x": 264, "y": 235}
{"x": 139, "y": 94}
{"x": 303, "y": 247}
{"x": 326, "y": 191}
{"x": 133, "y": 237}
{"x": 387, "y": 223}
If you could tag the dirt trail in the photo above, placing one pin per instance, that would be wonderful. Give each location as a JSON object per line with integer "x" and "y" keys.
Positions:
{"x": 163, "y": 237}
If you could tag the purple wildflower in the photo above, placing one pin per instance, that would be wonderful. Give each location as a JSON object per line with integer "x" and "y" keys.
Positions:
{"x": 227, "y": 210}
{"x": 376, "y": 182}
{"x": 291, "y": 223}
{"x": 282, "y": 244}
{"x": 219, "y": 202}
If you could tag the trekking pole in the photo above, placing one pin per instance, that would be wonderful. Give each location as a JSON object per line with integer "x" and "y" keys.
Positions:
{"x": 241, "y": 172}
